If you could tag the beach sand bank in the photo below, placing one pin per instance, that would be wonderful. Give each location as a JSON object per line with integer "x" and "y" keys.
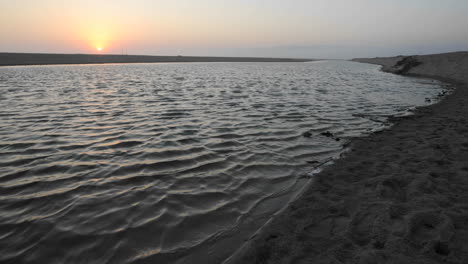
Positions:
{"x": 398, "y": 196}
{"x": 15, "y": 59}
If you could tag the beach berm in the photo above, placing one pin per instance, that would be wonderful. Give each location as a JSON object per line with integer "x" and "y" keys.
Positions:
{"x": 398, "y": 196}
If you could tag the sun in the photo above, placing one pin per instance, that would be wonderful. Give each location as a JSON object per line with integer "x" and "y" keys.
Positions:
{"x": 99, "y": 49}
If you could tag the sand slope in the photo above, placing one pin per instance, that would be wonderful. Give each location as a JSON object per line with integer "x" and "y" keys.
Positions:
{"x": 452, "y": 66}
{"x": 399, "y": 196}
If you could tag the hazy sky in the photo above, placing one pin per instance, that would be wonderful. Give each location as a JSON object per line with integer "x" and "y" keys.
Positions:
{"x": 277, "y": 28}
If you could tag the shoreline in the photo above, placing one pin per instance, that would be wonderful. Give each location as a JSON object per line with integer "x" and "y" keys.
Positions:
{"x": 398, "y": 196}
{"x": 30, "y": 59}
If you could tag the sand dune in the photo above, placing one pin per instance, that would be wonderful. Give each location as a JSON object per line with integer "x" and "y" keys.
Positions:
{"x": 399, "y": 196}
{"x": 449, "y": 66}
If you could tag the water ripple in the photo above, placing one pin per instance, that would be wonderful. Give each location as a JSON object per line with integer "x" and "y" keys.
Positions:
{"x": 171, "y": 163}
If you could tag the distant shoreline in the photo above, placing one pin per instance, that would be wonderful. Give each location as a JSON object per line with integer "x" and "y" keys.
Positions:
{"x": 23, "y": 59}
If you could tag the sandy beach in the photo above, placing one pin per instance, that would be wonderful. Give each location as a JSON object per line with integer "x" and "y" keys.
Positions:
{"x": 397, "y": 196}
{"x": 14, "y": 59}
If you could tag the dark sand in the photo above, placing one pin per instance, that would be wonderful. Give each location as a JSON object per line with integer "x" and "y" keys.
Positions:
{"x": 11, "y": 59}
{"x": 398, "y": 196}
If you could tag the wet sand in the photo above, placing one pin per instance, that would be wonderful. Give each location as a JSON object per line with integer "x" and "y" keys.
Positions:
{"x": 397, "y": 196}
{"x": 12, "y": 59}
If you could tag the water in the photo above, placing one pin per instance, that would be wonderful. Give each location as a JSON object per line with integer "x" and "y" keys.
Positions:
{"x": 171, "y": 163}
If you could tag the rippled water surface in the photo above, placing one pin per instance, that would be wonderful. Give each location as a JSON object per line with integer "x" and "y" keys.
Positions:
{"x": 171, "y": 163}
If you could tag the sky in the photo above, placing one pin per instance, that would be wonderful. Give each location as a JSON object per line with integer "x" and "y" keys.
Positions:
{"x": 264, "y": 28}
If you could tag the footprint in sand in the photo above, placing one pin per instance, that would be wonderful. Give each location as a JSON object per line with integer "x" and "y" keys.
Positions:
{"x": 431, "y": 230}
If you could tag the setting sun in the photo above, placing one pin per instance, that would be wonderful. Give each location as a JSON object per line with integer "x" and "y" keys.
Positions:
{"x": 99, "y": 49}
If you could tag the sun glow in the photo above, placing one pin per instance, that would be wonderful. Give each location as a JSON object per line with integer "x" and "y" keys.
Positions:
{"x": 99, "y": 49}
